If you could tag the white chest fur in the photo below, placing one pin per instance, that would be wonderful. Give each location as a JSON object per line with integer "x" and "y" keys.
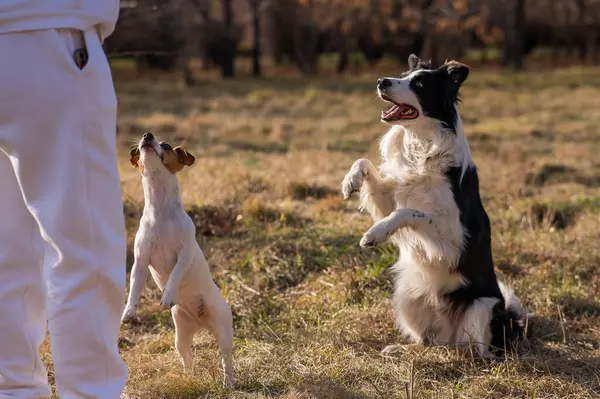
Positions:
{"x": 416, "y": 164}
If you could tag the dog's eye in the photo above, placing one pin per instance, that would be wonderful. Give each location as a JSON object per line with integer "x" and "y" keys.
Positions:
{"x": 166, "y": 146}
{"x": 419, "y": 83}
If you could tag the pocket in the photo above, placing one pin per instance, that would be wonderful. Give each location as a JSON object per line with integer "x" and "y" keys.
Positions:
{"x": 75, "y": 50}
{"x": 96, "y": 74}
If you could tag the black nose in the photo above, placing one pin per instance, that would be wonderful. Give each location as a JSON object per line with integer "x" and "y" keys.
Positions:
{"x": 147, "y": 136}
{"x": 383, "y": 83}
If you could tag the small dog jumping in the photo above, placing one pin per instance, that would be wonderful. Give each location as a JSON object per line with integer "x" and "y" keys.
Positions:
{"x": 426, "y": 200}
{"x": 166, "y": 245}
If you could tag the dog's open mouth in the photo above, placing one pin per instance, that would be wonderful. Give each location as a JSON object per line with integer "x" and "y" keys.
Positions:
{"x": 398, "y": 111}
{"x": 147, "y": 146}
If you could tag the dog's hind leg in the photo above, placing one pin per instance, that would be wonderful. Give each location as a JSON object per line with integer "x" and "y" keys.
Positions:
{"x": 411, "y": 328}
{"x": 475, "y": 329}
{"x": 221, "y": 325}
{"x": 185, "y": 328}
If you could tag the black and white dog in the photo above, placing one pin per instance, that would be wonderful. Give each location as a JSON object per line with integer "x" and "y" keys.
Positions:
{"x": 425, "y": 198}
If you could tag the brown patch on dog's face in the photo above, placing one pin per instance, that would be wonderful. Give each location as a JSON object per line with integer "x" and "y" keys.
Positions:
{"x": 173, "y": 159}
{"x": 176, "y": 158}
{"x": 135, "y": 159}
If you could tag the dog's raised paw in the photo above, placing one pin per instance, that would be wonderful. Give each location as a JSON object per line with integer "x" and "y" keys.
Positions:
{"x": 352, "y": 183}
{"x": 169, "y": 299}
{"x": 367, "y": 242}
{"x": 371, "y": 239}
{"x": 377, "y": 234}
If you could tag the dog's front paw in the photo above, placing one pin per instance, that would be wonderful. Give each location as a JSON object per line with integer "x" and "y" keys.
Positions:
{"x": 128, "y": 314}
{"x": 354, "y": 179}
{"x": 373, "y": 237}
{"x": 169, "y": 298}
{"x": 352, "y": 182}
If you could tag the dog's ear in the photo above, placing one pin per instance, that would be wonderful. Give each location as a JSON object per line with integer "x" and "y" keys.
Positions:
{"x": 185, "y": 158}
{"x": 413, "y": 62}
{"x": 134, "y": 157}
{"x": 457, "y": 72}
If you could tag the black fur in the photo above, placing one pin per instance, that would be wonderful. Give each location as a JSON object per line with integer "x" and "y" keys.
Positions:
{"x": 505, "y": 328}
{"x": 476, "y": 263}
{"x": 437, "y": 89}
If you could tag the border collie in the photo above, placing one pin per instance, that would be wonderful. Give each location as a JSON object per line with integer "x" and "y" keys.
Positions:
{"x": 425, "y": 198}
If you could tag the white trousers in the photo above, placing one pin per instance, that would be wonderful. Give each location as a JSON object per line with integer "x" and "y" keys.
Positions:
{"x": 62, "y": 233}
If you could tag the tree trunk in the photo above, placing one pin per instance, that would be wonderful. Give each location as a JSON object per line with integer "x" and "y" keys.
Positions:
{"x": 583, "y": 42}
{"x": 188, "y": 47}
{"x": 203, "y": 8}
{"x": 188, "y": 75}
{"x": 256, "y": 50}
{"x": 555, "y": 56}
{"x": 513, "y": 53}
{"x": 227, "y": 12}
{"x": 343, "y": 58}
{"x": 397, "y": 10}
{"x": 593, "y": 46}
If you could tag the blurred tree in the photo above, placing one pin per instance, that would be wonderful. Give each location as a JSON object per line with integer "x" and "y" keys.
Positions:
{"x": 170, "y": 33}
{"x": 514, "y": 37}
{"x": 291, "y": 33}
{"x": 227, "y": 13}
{"x": 255, "y": 6}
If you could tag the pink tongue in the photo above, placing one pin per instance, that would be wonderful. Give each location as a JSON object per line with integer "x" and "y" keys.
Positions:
{"x": 391, "y": 112}
{"x": 395, "y": 112}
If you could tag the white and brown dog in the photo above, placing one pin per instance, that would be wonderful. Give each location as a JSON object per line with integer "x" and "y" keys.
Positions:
{"x": 166, "y": 245}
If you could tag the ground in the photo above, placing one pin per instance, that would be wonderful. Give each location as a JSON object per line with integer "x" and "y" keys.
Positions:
{"x": 312, "y": 309}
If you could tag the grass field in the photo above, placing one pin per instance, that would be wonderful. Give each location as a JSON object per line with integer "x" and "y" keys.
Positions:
{"x": 311, "y": 308}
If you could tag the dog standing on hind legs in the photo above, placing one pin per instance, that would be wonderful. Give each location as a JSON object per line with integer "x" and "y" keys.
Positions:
{"x": 426, "y": 200}
{"x": 166, "y": 245}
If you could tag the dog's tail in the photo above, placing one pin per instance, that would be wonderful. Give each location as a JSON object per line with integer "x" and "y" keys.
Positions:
{"x": 517, "y": 316}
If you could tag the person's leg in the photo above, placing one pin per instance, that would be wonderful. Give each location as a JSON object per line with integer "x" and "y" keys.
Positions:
{"x": 22, "y": 294}
{"x": 59, "y": 131}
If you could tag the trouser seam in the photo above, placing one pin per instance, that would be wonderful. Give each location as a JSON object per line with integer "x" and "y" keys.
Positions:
{"x": 88, "y": 211}
{"x": 34, "y": 350}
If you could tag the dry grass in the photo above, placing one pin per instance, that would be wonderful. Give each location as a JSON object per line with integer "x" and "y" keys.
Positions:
{"x": 311, "y": 308}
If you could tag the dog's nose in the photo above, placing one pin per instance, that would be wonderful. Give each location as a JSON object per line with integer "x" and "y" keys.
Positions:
{"x": 147, "y": 136}
{"x": 383, "y": 83}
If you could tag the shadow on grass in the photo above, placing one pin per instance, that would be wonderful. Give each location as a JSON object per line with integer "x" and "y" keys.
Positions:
{"x": 558, "y": 173}
{"x": 567, "y": 365}
{"x": 317, "y": 387}
{"x": 330, "y": 389}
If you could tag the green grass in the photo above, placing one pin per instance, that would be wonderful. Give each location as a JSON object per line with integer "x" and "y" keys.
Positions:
{"x": 311, "y": 308}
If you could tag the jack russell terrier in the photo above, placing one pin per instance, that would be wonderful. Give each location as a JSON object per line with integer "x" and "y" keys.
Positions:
{"x": 166, "y": 244}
